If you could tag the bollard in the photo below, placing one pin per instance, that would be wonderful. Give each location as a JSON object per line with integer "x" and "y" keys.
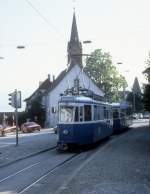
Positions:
{"x": 3, "y": 133}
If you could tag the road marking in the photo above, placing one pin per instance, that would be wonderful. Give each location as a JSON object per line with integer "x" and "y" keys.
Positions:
{"x": 4, "y": 146}
{"x": 19, "y": 172}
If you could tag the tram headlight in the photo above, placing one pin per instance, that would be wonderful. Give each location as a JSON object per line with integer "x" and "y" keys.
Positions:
{"x": 65, "y": 132}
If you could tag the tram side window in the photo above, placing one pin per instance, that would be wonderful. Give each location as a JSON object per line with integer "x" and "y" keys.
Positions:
{"x": 87, "y": 113}
{"x": 122, "y": 114}
{"x": 81, "y": 114}
{"x": 129, "y": 111}
{"x": 95, "y": 113}
{"x": 105, "y": 113}
{"x": 98, "y": 112}
{"x": 76, "y": 114}
{"x": 102, "y": 112}
{"x": 115, "y": 114}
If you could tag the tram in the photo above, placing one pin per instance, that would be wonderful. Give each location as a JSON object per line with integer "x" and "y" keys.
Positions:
{"x": 83, "y": 120}
{"x": 122, "y": 118}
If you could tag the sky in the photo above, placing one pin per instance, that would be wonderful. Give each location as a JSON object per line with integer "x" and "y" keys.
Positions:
{"x": 43, "y": 26}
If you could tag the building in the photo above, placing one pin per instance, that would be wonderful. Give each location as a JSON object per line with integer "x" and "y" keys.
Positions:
{"x": 66, "y": 79}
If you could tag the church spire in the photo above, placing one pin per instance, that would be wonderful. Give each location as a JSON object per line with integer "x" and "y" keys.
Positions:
{"x": 74, "y": 32}
{"x": 74, "y": 45}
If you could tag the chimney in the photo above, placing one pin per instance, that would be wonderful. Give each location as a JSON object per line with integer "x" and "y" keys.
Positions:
{"x": 40, "y": 83}
{"x": 53, "y": 77}
{"x": 49, "y": 77}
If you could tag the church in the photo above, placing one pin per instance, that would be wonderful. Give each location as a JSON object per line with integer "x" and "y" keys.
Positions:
{"x": 51, "y": 90}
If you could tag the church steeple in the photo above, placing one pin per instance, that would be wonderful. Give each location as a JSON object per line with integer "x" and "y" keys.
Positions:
{"x": 74, "y": 32}
{"x": 74, "y": 46}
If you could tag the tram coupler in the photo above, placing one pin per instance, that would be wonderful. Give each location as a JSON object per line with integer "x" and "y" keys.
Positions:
{"x": 62, "y": 146}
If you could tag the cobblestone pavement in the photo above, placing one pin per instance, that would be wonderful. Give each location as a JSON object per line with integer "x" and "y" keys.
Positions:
{"x": 121, "y": 167}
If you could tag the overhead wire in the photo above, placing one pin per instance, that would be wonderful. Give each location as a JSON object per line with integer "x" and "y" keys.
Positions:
{"x": 50, "y": 24}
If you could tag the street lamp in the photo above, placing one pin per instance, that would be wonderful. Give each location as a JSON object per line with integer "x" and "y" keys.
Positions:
{"x": 21, "y": 47}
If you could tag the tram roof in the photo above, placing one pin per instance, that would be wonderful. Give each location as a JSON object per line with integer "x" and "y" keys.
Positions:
{"x": 120, "y": 105}
{"x": 80, "y": 99}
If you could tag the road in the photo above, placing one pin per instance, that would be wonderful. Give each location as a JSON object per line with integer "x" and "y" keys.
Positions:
{"x": 10, "y": 139}
{"x": 52, "y": 172}
{"x": 52, "y": 167}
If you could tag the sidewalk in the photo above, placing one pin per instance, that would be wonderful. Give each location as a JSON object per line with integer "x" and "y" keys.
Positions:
{"x": 9, "y": 152}
{"x": 120, "y": 167}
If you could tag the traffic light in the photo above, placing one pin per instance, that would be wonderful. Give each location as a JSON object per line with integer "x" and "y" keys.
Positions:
{"x": 18, "y": 99}
{"x": 15, "y": 99}
{"x": 12, "y": 99}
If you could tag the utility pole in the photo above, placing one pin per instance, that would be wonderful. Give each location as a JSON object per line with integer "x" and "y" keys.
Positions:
{"x": 134, "y": 102}
{"x": 16, "y": 117}
{"x": 15, "y": 101}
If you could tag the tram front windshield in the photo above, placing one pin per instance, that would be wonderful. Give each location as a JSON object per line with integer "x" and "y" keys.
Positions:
{"x": 66, "y": 114}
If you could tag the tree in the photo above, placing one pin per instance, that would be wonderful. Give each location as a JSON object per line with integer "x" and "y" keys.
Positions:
{"x": 146, "y": 97}
{"x": 148, "y": 60}
{"x": 37, "y": 111}
{"x": 100, "y": 69}
{"x": 136, "y": 101}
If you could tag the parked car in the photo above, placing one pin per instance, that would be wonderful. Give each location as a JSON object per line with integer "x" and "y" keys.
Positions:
{"x": 134, "y": 116}
{"x": 1, "y": 130}
{"x": 146, "y": 115}
{"x": 140, "y": 115}
{"x": 30, "y": 127}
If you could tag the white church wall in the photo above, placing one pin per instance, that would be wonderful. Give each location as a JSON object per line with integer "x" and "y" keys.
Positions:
{"x": 67, "y": 82}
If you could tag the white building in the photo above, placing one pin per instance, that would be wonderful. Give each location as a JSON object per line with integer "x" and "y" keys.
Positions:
{"x": 66, "y": 79}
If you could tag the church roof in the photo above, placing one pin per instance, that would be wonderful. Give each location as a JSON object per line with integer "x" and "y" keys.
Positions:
{"x": 43, "y": 87}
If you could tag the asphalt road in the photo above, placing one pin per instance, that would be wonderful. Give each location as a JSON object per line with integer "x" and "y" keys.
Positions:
{"x": 120, "y": 165}
{"x": 10, "y": 138}
{"x": 18, "y": 176}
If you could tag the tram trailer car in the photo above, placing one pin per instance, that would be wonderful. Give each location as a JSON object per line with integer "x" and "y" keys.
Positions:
{"x": 121, "y": 116}
{"x": 83, "y": 120}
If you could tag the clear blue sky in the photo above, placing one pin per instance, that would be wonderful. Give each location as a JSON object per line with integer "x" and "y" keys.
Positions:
{"x": 117, "y": 26}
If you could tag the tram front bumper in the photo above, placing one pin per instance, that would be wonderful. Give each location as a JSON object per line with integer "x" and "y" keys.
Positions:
{"x": 62, "y": 146}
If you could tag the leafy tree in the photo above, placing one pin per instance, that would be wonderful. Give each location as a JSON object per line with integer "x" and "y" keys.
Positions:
{"x": 146, "y": 97}
{"x": 22, "y": 118}
{"x": 37, "y": 111}
{"x": 148, "y": 60}
{"x": 136, "y": 101}
{"x": 100, "y": 69}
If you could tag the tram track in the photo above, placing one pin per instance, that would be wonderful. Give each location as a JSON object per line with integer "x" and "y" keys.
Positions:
{"x": 30, "y": 171}
{"x": 48, "y": 173}
{"x": 28, "y": 156}
{"x": 66, "y": 169}
{"x": 48, "y": 166}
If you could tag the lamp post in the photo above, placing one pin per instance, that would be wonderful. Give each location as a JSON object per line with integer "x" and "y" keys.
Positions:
{"x": 124, "y": 85}
{"x": 17, "y": 102}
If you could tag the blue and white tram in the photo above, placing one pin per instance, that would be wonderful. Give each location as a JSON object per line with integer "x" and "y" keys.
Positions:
{"x": 121, "y": 116}
{"x": 83, "y": 120}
